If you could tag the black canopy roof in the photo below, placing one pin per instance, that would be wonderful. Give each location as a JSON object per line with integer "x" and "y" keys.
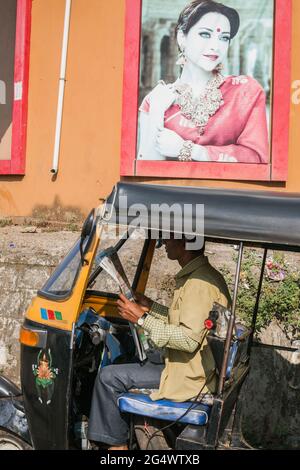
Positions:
{"x": 251, "y": 216}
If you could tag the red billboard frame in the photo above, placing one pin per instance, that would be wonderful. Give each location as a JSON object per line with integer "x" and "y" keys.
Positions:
{"x": 277, "y": 170}
{"x": 16, "y": 164}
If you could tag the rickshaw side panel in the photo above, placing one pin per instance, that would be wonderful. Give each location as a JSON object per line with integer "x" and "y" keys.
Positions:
{"x": 229, "y": 403}
{"x": 208, "y": 437}
{"x": 104, "y": 304}
{"x": 46, "y": 382}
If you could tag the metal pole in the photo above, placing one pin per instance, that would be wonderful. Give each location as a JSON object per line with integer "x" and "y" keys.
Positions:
{"x": 255, "y": 311}
{"x": 231, "y": 323}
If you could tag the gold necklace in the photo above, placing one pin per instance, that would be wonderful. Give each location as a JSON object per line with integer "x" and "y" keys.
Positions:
{"x": 200, "y": 109}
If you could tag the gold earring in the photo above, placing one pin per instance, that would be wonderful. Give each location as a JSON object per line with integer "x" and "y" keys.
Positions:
{"x": 219, "y": 68}
{"x": 181, "y": 58}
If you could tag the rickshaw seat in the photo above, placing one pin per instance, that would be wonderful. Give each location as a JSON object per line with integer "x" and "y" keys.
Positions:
{"x": 238, "y": 348}
{"x": 142, "y": 405}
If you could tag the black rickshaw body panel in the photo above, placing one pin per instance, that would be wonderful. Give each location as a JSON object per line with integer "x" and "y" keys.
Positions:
{"x": 46, "y": 376}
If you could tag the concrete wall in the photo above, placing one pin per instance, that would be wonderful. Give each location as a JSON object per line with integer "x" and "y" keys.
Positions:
{"x": 90, "y": 147}
{"x": 271, "y": 403}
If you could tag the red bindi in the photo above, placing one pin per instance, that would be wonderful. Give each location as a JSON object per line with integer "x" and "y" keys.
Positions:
{"x": 218, "y": 30}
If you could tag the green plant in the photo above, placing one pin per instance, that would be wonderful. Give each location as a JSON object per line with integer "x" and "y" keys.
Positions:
{"x": 279, "y": 299}
{"x": 5, "y": 222}
{"x": 73, "y": 227}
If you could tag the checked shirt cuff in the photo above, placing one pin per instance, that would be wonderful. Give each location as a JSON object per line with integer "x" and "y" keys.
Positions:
{"x": 163, "y": 335}
{"x": 159, "y": 311}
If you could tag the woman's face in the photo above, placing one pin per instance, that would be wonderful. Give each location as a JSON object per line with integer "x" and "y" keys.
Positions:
{"x": 207, "y": 42}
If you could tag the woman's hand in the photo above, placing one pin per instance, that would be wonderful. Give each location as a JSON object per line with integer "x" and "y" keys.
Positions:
{"x": 161, "y": 98}
{"x": 131, "y": 311}
{"x": 225, "y": 158}
{"x": 200, "y": 154}
{"x": 168, "y": 143}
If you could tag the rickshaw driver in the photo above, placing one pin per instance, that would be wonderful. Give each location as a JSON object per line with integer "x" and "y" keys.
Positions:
{"x": 189, "y": 364}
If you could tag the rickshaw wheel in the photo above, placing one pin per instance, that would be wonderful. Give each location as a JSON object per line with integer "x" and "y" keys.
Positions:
{"x": 144, "y": 429}
{"x": 9, "y": 441}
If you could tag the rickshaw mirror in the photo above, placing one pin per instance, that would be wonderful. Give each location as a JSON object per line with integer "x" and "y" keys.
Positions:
{"x": 88, "y": 225}
{"x": 86, "y": 232}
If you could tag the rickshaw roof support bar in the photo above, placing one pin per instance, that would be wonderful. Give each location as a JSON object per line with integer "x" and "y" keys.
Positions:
{"x": 141, "y": 263}
{"x": 116, "y": 248}
{"x": 231, "y": 323}
{"x": 255, "y": 311}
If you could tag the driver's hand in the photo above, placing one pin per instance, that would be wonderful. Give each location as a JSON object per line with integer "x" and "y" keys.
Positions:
{"x": 131, "y": 311}
{"x": 144, "y": 301}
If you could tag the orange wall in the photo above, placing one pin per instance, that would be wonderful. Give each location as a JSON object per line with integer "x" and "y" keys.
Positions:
{"x": 90, "y": 147}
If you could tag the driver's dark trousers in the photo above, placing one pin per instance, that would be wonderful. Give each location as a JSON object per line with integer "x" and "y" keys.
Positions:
{"x": 106, "y": 423}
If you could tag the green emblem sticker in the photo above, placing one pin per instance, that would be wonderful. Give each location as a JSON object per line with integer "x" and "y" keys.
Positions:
{"x": 45, "y": 376}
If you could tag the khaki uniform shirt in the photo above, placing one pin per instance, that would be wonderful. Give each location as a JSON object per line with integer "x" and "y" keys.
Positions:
{"x": 198, "y": 286}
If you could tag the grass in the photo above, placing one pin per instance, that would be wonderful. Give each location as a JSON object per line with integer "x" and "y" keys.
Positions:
{"x": 5, "y": 222}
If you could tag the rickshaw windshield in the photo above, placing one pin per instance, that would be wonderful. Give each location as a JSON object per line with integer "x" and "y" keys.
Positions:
{"x": 63, "y": 279}
{"x": 120, "y": 242}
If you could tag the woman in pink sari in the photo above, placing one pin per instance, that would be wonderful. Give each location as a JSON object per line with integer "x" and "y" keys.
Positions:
{"x": 204, "y": 116}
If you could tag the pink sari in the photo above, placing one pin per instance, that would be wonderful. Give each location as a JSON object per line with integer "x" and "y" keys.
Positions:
{"x": 237, "y": 130}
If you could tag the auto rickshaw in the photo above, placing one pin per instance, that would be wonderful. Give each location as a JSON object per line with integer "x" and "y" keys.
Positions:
{"x": 72, "y": 327}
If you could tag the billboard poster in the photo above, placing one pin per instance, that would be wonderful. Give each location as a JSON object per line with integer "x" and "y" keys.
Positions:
{"x": 210, "y": 89}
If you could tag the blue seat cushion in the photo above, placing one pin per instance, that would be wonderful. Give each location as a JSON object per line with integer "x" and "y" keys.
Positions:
{"x": 236, "y": 345}
{"x": 142, "y": 405}
{"x": 231, "y": 359}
